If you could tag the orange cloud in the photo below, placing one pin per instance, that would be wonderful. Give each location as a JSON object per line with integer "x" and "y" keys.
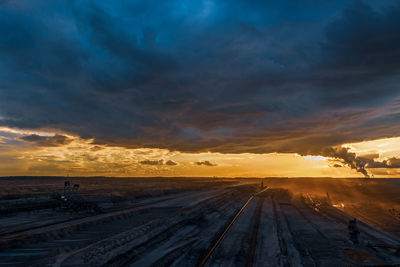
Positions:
{"x": 81, "y": 157}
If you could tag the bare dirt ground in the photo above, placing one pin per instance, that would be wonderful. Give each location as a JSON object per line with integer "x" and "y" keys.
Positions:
{"x": 199, "y": 222}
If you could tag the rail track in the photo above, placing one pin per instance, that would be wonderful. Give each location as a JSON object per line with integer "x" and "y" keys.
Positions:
{"x": 307, "y": 256}
{"x": 216, "y": 243}
{"x": 204, "y": 259}
{"x": 278, "y": 223}
{"x": 253, "y": 241}
{"x": 132, "y": 245}
{"x": 76, "y": 218}
{"x": 15, "y": 237}
{"x": 185, "y": 237}
{"x": 310, "y": 222}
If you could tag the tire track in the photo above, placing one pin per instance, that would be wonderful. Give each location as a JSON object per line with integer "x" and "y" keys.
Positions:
{"x": 162, "y": 233}
{"x": 253, "y": 241}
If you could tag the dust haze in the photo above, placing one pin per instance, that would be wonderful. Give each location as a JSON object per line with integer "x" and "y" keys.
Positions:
{"x": 99, "y": 221}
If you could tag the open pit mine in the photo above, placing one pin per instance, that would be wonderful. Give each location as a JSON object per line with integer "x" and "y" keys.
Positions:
{"x": 50, "y": 221}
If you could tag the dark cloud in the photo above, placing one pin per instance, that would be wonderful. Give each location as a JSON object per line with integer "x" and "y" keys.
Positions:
{"x": 171, "y": 163}
{"x": 393, "y": 163}
{"x": 56, "y": 140}
{"x": 337, "y": 165}
{"x": 371, "y": 156}
{"x": 96, "y": 148}
{"x": 358, "y": 163}
{"x": 152, "y": 162}
{"x": 389, "y": 163}
{"x": 348, "y": 158}
{"x": 158, "y": 162}
{"x": 206, "y": 163}
{"x": 251, "y": 77}
{"x": 365, "y": 39}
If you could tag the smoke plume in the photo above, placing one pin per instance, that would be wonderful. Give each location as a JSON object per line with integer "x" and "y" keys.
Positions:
{"x": 348, "y": 158}
{"x": 359, "y": 163}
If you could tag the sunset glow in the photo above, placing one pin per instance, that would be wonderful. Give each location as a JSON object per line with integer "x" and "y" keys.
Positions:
{"x": 203, "y": 88}
{"x": 199, "y": 133}
{"x": 81, "y": 157}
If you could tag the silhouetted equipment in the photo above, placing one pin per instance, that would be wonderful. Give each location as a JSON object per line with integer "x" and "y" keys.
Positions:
{"x": 262, "y": 185}
{"x": 354, "y": 233}
{"x": 328, "y": 198}
{"x": 75, "y": 188}
{"x": 395, "y": 213}
{"x": 73, "y": 202}
{"x": 67, "y": 187}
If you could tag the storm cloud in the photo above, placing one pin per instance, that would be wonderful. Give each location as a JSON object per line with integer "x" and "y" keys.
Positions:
{"x": 206, "y": 163}
{"x": 159, "y": 162}
{"x": 171, "y": 163}
{"x": 56, "y": 140}
{"x": 152, "y": 162}
{"x": 198, "y": 76}
{"x": 389, "y": 163}
{"x": 359, "y": 163}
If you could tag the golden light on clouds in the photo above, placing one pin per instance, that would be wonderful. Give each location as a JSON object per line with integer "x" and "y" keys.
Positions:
{"x": 386, "y": 147}
{"x": 381, "y": 150}
{"x": 49, "y": 153}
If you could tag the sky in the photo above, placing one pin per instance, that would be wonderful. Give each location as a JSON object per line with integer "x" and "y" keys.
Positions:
{"x": 200, "y": 88}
